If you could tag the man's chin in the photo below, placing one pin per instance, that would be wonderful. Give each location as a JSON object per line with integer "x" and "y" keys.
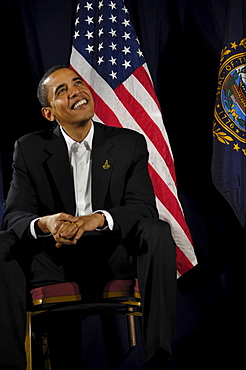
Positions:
{"x": 79, "y": 123}
{"x": 84, "y": 122}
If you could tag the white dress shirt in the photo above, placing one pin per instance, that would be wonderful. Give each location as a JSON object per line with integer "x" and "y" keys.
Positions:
{"x": 80, "y": 160}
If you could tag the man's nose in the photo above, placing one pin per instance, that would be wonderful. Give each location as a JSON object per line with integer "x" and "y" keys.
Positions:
{"x": 73, "y": 93}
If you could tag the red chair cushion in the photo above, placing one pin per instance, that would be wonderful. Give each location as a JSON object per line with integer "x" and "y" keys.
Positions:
{"x": 86, "y": 289}
{"x": 55, "y": 290}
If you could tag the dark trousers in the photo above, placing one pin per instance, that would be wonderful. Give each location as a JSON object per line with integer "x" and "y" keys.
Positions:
{"x": 149, "y": 255}
{"x": 12, "y": 305}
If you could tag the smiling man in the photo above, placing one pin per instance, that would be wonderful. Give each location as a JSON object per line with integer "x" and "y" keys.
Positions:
{"x": 68, "y": 101}
{"x": 82, "y": 199}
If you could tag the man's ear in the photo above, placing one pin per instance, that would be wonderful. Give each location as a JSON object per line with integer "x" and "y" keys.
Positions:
{"x": 47, "y": 113}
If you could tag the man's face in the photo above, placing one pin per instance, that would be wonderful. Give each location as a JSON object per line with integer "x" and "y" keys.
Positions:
{"x": 71, "y": 101}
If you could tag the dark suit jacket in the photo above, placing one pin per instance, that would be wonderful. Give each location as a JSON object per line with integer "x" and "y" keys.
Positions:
{"x": 43, "y": 183}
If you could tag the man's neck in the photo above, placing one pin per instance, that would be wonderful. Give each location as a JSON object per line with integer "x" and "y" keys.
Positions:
{"x": 78, "y": 132}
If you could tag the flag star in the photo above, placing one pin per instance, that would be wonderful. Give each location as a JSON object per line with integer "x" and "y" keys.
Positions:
{"x": 100, "y": 60}
{"x": 100, "y": 19}
{"x": 140, "y": 53}
{"x": 112, "y": 5}
{"x": 126, "y": 64}
{"x": 78, "y": 8}
{"x": 77, "y": 22}
{"x": 88, "y": 6}
{"x": 234, "y": 45}
{"x": 90, "y": 48}
{"x": 126, "y": 50}
{"x": 113, "y": 32}
{"x": 100, "y": 46}
{"x": 137, "y": 40}
{"x": 112, "y": 61}
{"x": 236, "y": 147}
{"x": 76, "y": 34}
{"x": 113, "y": 75}
{"x": 126, "y": 22}
{"x": 113, "y": 46}
{"x": 125, "y": 9}
{"x": 89, "y": 20}
{"x": 100, "y": 4}
{"x": 126, "y": 36}
{"x": 89, "y": 35}
{"x": 113, "y": 18}
{"x": 100, "y": 32}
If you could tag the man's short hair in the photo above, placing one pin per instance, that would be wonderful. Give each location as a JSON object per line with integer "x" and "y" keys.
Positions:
{"x": 42, "y": 91}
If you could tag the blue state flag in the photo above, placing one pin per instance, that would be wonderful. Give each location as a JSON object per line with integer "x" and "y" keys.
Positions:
{"x": 229, "y": 130}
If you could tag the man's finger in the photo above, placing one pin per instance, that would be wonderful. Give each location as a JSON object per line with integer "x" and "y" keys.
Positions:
{"x": 60, "y": 244}
{"x": 68, "y": 231}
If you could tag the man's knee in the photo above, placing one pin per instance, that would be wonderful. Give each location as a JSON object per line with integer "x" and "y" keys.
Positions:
{"x": 155, "y": 227}
{"x": 156, "y": 246}
{"x": 154, "y": 235}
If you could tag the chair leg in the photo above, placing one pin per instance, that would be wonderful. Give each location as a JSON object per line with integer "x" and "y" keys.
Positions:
{"x": 132, "y": 329}
{"x": 28, "y": 345}
{"x": 46, "y": 356}
{"x": 28, "y": 341}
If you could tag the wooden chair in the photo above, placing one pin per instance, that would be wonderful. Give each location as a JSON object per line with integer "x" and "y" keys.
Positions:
{"x": 87, "y": 298}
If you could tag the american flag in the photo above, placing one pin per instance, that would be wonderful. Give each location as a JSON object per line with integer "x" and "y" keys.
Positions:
{"x": 107, "y": 54}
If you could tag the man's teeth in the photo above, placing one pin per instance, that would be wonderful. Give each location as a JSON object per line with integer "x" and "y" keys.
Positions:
{"x": 81, "y": 102}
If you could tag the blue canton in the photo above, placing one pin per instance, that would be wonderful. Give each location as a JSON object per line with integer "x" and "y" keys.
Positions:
{"x": 105, "y": 37}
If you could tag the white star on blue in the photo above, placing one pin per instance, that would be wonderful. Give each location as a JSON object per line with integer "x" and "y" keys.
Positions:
{"x": 107, "y": 40}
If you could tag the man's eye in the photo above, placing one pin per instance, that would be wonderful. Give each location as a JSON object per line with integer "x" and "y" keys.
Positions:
{"x": 61, "y": 91}
{"x": 79, "y": 82}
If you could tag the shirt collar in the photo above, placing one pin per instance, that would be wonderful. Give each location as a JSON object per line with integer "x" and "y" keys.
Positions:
{"x": 87, "y": 142}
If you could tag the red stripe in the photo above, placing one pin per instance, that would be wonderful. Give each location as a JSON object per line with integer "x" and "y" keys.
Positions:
{"x": 104, "y": 112}
{"x": 147, "y": 124}
{"x": 183, "y": 263}
{"x": 143, "y": 77}
{"x": 168, "y": 199}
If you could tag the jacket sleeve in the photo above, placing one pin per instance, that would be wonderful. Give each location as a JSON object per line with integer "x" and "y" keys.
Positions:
{"x": 21, "y": 203}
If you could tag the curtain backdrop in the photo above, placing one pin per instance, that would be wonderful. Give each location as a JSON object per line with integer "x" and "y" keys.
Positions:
{"x": 181, "y": 40}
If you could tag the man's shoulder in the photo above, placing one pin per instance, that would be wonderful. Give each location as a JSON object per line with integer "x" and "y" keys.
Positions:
{"x": 112, "y": 131}
{"x": 37, "y": 135}
{"x": 37, "y": 138}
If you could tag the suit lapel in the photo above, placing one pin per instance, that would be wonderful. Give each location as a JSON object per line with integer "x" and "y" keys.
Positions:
{"x": 60, "y": 169}
{"x": 102, "y": 166}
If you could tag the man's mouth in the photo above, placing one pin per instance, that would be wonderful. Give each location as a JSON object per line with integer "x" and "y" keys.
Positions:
{"x": 79, "y": 103}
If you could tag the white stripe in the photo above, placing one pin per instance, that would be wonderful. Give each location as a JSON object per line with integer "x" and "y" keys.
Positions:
{"x": 145, "y": 99}
{"x": 178, "y": 233}
{"x": 107, "y": 94}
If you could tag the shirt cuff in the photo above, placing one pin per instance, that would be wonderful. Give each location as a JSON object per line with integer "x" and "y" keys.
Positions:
{"x": 33, "y": 232}
{"x": 109, "y": 220}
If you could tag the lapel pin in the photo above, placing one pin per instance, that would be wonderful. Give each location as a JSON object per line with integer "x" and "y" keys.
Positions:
{"x": 106, "y": 166}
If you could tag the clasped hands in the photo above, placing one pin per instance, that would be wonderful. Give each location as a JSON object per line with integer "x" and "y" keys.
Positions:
{"x": 67, "y": 229}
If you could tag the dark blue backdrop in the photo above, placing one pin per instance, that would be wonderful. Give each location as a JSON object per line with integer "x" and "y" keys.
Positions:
{"x": 182, "y": 40}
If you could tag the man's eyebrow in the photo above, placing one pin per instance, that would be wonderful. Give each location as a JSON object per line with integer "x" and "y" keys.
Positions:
{"x": 77, "y": 78}
{"x": 58, "y": 88}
